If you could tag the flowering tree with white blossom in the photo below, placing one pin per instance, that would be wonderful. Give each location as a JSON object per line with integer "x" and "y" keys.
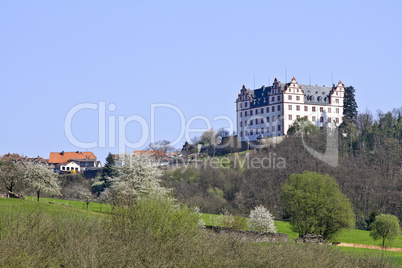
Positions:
{"x": 138, "y": 175}
{"x": 261, "y": 220}
{"x": 41, "y": 179}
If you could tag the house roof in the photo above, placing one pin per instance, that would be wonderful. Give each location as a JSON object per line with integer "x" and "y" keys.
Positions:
{"x": 62, "y": 157}
{"x": 152, "y": 153}
{"x": 10, "y": 157}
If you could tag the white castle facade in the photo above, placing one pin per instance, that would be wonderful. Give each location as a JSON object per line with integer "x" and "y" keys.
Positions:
{"x": 271, "y": 111}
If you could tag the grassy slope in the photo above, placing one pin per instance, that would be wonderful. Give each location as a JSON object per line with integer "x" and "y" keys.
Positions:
{"x": 97, "y": 207}
{"x": 63, "y": 206}
{"x": 351, "y": 236}
{"x": 9, "y": 205}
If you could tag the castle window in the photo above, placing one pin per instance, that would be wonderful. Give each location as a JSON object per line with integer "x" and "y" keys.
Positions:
{"x": 290, "y": 97}
{"x": 321, "y": 109}
{"x": 313, "y": 118}
{"x": 267, "y": 109}
{"x": 297, "y": 116}
{"x": 319, "y": 99}
{"x": 273, "y": 108}
{"x": 306, "y": 116}
{"x": 297, "y": 107}
{"x": 322, "y": 119}
{"x": 256, "y": 121}
{"x": 290, "y": 107}
{"x": 290, "y": 117}
{"x": 337, "y": 120}
{"x": 240, "y": 105}
{"x": 241, "y": 124}
{"x": 279, "y": 127}
{"x": 273, "y": 99}
{"x": 267, "y": 129}
{"x": 337, "y": 110}
{"x": 278, "y": 98}
{"x": 306, "y": 108}
{"x": 262, "y": 130}
{"x": 267, "y": 119}
{"x": 312, "y": 98}
{"x": 241, "y": 134}
{"x": 273, "y": 128}
{"x": 279, "y": 108}
{"x": 297, "y": 97}
{"x": 251, "y": 112}
{"x": 251, "y": 122}
{"x": 251, "y": 132}
{"x": 329, "y": 110}
{"x": 245, "y": 104}
{"x": 329, "y": 119}
{"x": 241, "y": 114}
{"x": 337, "y": 101}
{"x": 273, "y": 118}
{"x": 313, "y": 108}
{"x": 256, "y": 111}
{"x": 262, "y": 110}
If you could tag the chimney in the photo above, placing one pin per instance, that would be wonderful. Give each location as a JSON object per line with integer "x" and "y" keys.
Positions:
{"x": 62, "y": 153}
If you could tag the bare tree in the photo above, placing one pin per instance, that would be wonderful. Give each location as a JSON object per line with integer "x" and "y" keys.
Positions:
{"x": 162, "y": 145}
{"x": 211, "y": 139}
{"x": 10, "y": 175}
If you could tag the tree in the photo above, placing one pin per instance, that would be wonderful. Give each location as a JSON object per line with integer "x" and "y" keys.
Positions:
{"x": 10, "y": 175}
{"x": 349, "y": 107}
{"x": 137, "y": 176}
{"x": 86, "y": 196}
{"x": 315, "y": 205}
{"x": 41, "y": 179}
{"x": 302, "y": 125}
{"x": 210, "y": 138}
{"x": 162, "y": 145}
{"x": 261, "y": 220}
{"x": 108, "y": 171}
{"x": 385, "y": 226}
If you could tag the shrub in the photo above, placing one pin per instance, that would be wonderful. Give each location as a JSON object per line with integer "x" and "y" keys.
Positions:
{"x": 261, "y": 220}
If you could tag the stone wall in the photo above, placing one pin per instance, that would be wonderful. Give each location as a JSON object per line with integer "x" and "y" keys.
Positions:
{"x": 251, "y": 235}
{"x": 311, "y": 238}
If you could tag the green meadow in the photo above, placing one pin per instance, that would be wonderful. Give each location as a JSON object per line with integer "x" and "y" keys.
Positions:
{"x": 72, "y": 209}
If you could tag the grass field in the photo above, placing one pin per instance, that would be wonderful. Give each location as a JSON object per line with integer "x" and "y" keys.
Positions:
{"x": 396, "y": 256}
{"x": 63, "y": 207}
{"x": 97, "y": 207}
{"x": 350, "y": 236}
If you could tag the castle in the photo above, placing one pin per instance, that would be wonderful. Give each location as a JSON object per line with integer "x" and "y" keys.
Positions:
{"x": 271, "y": 111}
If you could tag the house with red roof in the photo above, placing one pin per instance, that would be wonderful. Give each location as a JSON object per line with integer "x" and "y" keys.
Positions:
{"x": 77, "y": 161}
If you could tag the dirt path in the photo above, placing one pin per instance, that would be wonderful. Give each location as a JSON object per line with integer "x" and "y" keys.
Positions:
{"x": 368, "y": 246}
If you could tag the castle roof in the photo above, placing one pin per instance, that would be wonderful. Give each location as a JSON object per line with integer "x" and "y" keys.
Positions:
{"x": 313, "y": 94}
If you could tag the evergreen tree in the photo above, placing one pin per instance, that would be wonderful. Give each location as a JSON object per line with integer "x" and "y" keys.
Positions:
{"x": 349, "y": 108}
{"x": 108, "y": 170}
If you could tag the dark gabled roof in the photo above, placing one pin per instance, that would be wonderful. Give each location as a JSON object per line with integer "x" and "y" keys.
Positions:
{"x": 260, "y": 96}
{"x": 313, "y": 94}
{"x": 317, "y": 94}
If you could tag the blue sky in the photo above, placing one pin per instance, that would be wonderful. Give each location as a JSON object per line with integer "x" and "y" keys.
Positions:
{"x": 55, "y": 55}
